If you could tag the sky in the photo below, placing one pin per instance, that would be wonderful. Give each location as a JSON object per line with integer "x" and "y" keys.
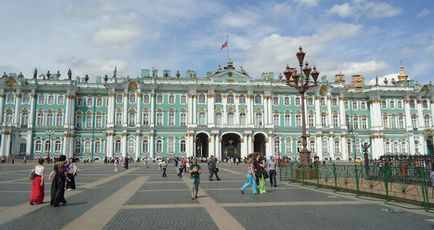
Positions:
{"x": 368, "y": 37}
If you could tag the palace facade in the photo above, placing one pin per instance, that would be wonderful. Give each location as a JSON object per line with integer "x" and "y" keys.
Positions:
{"x": 226, "y": 113}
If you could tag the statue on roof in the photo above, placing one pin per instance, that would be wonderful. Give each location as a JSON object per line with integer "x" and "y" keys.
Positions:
{"x": 69, "y": 74}
{"x": 376, "y": 80}
{"x": 35, "y": 73}
{"x": 115, "y": 72}
{"x": 21, "y": 75}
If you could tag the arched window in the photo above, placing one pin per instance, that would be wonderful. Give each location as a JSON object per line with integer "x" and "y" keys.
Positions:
{"x": 336, "y": 120}
{"x": 145, "y": 146}
{"x": 218, "y": 98}
{"x": 24, "y": 118}
{"x": 171, "y": 118}
{"x": 242, "y": 99}
{"x": 324, "y": 120}
{"x": 310, "y": 120}
{"x": 364, "y": 123}
{"x": 312, "y": 145}
{"x": 230, "y": 118}
{"x": 287, "y": 119}
{"x": 427, "y": 121}
{"x": 230, "y": 99}
{"x": 132, "y": 98}
{"x": 171, "y": 147}
{"x": 337, "y": 146}
{"x": 401, "y": 121}
{"x": 47, "y": 146}
{"x": 59, "y": 118}
{"x": 159, "y": 118}
{"x": 49, "y": 121}
{"x": 425, "y": 104}
{"x": 182, "y": 146}
{"x": 322, "y": 101}
{"x": 395, "y": 147}
{"x": 385, "y": 121}
{"x": 393, "y": 121}
{"x": 159, "y": 99}
{"x": 242, "y": 119}
{"x": 41, "y": 99}
{"x": 356, "y": 122}
{"x": 287, "y": 101}
{"x": 57, "y": 146}
{"x": 298, "y": 120}
{"x": 258, "y": 99}
{"x": 98, "y": 120}
{"x": 202, "y": 118}
{"x": 183, "y": 99}
{"x": 9, "y": 117}
{"x": 50, "y": 99}
{"x": 10, "y": 98}
{"x": 89, "y": 120}
{"x": 171, "y": 99}
{"x": 77, "y": 146}
{"x": 38, "y": 146}
{"x": 288, "y": 147}
{"x": 325, "y": 146}
{"x": 40, "y": 118}
{"x": 403, "y": 147}
{"x": 218, "y": 118}
{"x": 202, "y": 99}
{"x": 258, "y": 119}
{"x": 131, "y": 146}
{"x": 276, "y": 119}
{"x": 159, "y": 146}
{"x": 131, "y": 118}
{"x": 97, "y": 147}
{"x": 146, "y": 118}
{"x": 78, "y": 120}
{"x": 117, "y": 146}
{"x": 60, "y": 100}
{"x": 276, "y": 146}
{"x": 297, "y": 101}
{"x": 146, "y": 99}
{"x": 183, "y": 119}
{"x": 87, "y": 146}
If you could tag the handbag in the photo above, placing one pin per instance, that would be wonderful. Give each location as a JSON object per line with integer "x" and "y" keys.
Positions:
{"x": 265, "y": 174}
{"x": 32, "y": 174}
{"x": 216, "y": 170}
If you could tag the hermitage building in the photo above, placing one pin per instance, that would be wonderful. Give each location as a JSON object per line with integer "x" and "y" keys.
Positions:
{"x": 226, "y": 113}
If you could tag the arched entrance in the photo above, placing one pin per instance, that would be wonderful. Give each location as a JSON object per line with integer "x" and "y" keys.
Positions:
{"x": 202, "y": 147}
{"x": 259, "y": 143}
{"x": 231, "y": 146}
{"x": 429, "y": 145}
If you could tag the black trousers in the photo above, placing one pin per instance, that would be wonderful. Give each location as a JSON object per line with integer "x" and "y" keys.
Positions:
{"x": 273, "y": 180}
{"x": 58, "y": 189}
{"x": 71, "y": 182}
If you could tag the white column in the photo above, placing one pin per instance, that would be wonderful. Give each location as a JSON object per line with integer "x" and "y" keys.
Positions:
{"x": 329, "y": 112}
{"x": 250, "y": 112}
{"x": 265, "y": 109}
{"x": 29, "y": 141}
{"x": 32, "y": 109}
{"x": 408, "y": 124}
{"x": 125, "y": 112}
{"x": 17, "y": 108}
{"x": 432, "y": 114}
{"x": 342, "y": 122}
{"x": 332, "y": 148}
{"x": 344, "y": 147}
{"x": 219, "y": 148}
{"x": 2, "y": 101}
{"x": 270, "y": 111}
{"x": 317, "y": 113}
{"x": 378, "y": 147}
{"x": 6, "y": 144}
{"x": 211, "y": 112}
{"x": 71, "y": 111}
{"x": 194, "y": 109}
{"x": 152, "y": 101}
{"x": 138, "y": 141}
{"x": 139, "y": 109}
{"x": 151, "y": 146}
{"x": 189, "y": 109}
{"x": 124, "y": 145}
{"x": 318, "y": 147}
{"x": 244, "y": 144}
{"x": 109, "y": 145}
{"x": 270, "y": 145}
{"x": 237, "y": 111}
{"x": 420, "y": 114}
{"x": 111, "y": 112}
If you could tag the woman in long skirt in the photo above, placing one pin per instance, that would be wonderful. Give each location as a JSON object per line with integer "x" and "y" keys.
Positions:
{"x": 37, "y": 194}
{"x": 58, "y": 185}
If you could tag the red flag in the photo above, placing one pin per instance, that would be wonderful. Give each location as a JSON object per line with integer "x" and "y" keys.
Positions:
{"x": 225, "y": 45}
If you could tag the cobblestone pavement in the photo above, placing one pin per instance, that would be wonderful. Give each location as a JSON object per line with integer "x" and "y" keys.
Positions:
{"x": 139, "y": 198}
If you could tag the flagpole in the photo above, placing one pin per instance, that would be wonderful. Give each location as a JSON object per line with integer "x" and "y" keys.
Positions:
{"x": 227, "y": 51}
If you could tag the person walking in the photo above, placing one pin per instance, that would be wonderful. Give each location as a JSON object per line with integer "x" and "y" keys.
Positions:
{"x": 271, "y": 166}
{"x": 37, "y": 193}
{"x": 195, "y": 178}
{"x": 116, "y": 165}
{"x": 180, "y": 168}
{"x": 261, "y": 173}
{"x": 70, "y": 178}
{"x": 58, "y": 177}
{"x": 251, "y": 178}
{"x": 212, "y": 167}
{"x": 164, "y": 167}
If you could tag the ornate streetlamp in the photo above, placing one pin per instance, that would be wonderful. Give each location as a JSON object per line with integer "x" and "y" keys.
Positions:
{"x": 302, "y": 82}
{"x": 48, "y": 133}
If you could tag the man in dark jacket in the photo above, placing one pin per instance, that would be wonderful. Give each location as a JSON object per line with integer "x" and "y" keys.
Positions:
{"x": 212, "y": 167}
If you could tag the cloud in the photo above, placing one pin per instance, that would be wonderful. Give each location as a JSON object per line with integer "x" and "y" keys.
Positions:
{"x": 423, "y": 13}
{"x": 389, "y": 78}
{"x": 119, "y": 36}
{"x": 92, "y": 66}
{"x": 239, "y": 19}
{"x": 360, "y": 8}
{"x": 430, "y": 48}
{"x": 308, "y": 3}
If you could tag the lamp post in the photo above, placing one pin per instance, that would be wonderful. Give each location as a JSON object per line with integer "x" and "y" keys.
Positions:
{"x": 302, "y": 82}
{"x": 48, "y": 133}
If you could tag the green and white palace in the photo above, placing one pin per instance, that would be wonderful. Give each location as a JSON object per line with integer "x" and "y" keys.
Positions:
{"x": 226, "y": 113}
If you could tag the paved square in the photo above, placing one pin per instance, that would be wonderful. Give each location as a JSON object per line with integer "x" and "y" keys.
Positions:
{"x": 139, "y": 198}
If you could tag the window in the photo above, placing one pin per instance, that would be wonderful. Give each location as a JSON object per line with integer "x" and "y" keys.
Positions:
{"x": 335, "y": 120}
{"x": 310, "y": 120}
{"x": 202, "y": 118}
{"x": 297, "y": 120}
{"x": 383, "y": 104}
{"x": 218, "y": 118}
{"x": 171, "y": 99}
{"x": 425, "y": 104}
{"x": 182, "y": 146}
{"x": 49, "y": 119}
{"x": 324, "y": 120}
{"x": 183, "y": 119}
{"x": 77, "y": 146}
{"x": 23, "y": 147}
{"x": 334, "y": 102}
{"x": 242, "y": 119}
{"x": 364, "y": 123}
{"x": 24, "y": 118}
{"x": 275, "y": 100}
{"x": 9, "y": 117}
{"x": 427, "y": 121}
{"x": 310, "y": 101}
{"x": 393, "y": 121}
{"x": 395, "y": 147}
{"x": 97, "y": 149}
{"x": 119, "y": 98}
{"x": 288, "y": 145}
{"x": 60, "y": 99}
{"x": 322, "y": 101}
{"x": 87, "y": 146}
{"x": 258, "y": 119}
{"x": 412, "y": 104}
{"x": 183, "y": 99}
{"x": 80, "y": 101}
{"x": 171, "y": 118}
{"x": 346, "y": 105}
{"x": 10, "y": 98}
{"x": 159, "y": 118}
{"x": 39, "y": 119}
{"x": 299, "y": 146}
{"x": 392, "y": 104}
{"x": 26, "y": 98}
{"x": 38, "y": 146}
{"x": 401, "y": 121}
{"x": 414, "y": 122}
{"x": 297, "y": 101}
{"x": 131, "y": 119}
{"x": 159, "y": 146}
{"x": 385, "y": 121}
{"x": 258, "y": 99}
{"x": 57, "y": 146}
{"x": 50, "y": 99}
{"x": 41, "y": 99}
{"x": 325, "y": 145}
{"x": 399, "y": 104}
{"x": 287, "y": 101}
{"x": 337, "y": 146}
{"x": 117, "y": 146}
{"x": 356, "y": 122}
{"x": 202, "y": 99}
{"x": 403, "y": 147}
{"x": 59, "y": 118}
{"x": 276, "y": 121}
{"x": 145, "y": 118}
{"x": 276, "y": 145}
{"x": 159, "y": 99}
{"x": 363, "y": 105}
{"x": 347, "y": 121}
{"x": 146, "y": 99}
{"x": 131, "y": 146}
{"x": 89, "y": 101}
{"x": 230, "y": 118}
{"x": 99, "y": 120}
{"x": 171, "y": 147}
{"x": 118, "y": 118}
{"x": 47, "y": 146}
{"x": 312, "y": 145}
{"x": 218, "y": 98}
{"x": 230, "y": 99}
{"x": 89, "y": 120}
{"x": 242, "y": 99}
{"x": 354, "y": 105}
{"x": 287, "y": 120}
{"x": 145, "y": 146}
{"x": 132, "y": 98}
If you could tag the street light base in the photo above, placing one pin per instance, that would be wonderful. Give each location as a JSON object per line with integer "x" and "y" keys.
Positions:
{"x": 305, "y": 172}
